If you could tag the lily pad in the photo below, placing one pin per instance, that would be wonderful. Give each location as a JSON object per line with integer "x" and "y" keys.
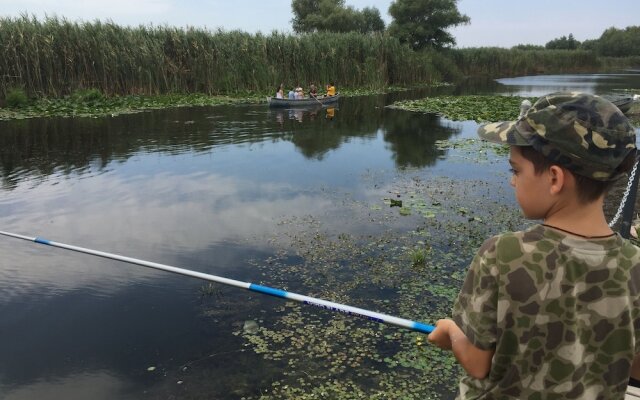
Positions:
{"x": 250, "y": 327}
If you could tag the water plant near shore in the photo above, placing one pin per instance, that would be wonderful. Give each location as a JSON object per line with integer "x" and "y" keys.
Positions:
{"x": 462, "y": 108}
{"x": 16, "y": 98}
{"x": 634, "y": 114}
{"x": 92, "y": 104}
{"x": 414, "y": 274}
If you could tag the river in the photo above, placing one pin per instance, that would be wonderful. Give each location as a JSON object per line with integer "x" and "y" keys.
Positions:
{"x": 298, "y": 200}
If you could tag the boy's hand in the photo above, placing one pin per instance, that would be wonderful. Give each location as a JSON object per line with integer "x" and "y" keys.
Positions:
{"x": 440, "y": 336}
{"x": 449, "y": 336}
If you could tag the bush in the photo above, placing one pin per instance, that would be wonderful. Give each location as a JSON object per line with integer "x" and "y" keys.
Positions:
{"x": 90, "y": 96}
{"x": 16, "y": 98}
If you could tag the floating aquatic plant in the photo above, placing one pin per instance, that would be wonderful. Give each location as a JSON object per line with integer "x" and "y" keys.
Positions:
{"x": 419, "y": 257}
{"x": 91, "y": 103}
{"x": 463, "y": 108}
{"x": 333, "y": 356}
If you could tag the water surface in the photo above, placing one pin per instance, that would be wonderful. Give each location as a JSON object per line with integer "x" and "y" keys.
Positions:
{"x": 224, "y": 190}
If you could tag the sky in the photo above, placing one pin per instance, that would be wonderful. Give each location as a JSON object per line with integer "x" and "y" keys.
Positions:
{"x": 502, "y": 23}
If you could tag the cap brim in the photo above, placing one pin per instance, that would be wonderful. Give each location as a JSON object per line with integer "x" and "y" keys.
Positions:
{"x": 505, "y": 132}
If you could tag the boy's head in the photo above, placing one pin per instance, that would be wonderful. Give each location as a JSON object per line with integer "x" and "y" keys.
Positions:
{"x": 583, "y": 133}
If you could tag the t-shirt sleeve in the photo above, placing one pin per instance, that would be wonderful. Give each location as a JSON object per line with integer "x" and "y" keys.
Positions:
{"x": 475, "y": 309}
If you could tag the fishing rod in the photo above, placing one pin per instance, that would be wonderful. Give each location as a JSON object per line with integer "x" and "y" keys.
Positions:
{"x": 327, "y": 305}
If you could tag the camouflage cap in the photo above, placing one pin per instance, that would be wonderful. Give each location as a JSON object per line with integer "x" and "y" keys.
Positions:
{"x": 584, "y": 133}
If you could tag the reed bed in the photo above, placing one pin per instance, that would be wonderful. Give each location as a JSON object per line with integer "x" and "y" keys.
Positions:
{"x": 55, "y": 57}
{"x": 499, "y": 62}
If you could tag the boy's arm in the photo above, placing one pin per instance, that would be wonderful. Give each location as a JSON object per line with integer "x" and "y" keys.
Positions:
{"x": 475, "y": 361}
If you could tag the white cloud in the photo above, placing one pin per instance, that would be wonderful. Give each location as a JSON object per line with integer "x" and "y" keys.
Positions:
{"x": 156, "y": 218}
{"x": 123, "y": 11}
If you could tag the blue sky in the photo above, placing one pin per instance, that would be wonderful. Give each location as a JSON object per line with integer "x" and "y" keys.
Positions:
{"x": 502, "y": 23}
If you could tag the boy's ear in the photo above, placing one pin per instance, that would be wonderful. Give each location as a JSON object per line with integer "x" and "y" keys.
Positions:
{"x": 557, "y": 179}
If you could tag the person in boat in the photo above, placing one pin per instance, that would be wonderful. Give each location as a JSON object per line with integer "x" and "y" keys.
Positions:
{"x": 280, "y": 91}
{"x": 299, "y": 93}
{"x": 553, "y": 311}
{"x": 313, "y": 92}
{"x": 331, "y": 89}
{"x": 292, "y": 94}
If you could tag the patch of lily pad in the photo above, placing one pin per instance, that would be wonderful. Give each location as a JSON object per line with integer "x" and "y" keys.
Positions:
{"x": 634, "y": 114}
{"x": 472, "y": 150}
{"x": 414, "y": 274}
{"x": 352, "y": 92}
{"x": 465, "y": 108}
{"x": 98, "y": 105}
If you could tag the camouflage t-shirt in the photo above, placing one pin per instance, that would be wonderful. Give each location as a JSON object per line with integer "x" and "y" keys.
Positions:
{"x": 561, "y": 312}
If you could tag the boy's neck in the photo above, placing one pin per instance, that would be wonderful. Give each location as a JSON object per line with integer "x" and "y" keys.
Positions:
{"x": 582, "y": 219}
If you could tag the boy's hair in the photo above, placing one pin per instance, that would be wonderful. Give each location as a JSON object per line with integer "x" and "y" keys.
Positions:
{"x": 586, "y": 134}
{"x": 588, "y": 189}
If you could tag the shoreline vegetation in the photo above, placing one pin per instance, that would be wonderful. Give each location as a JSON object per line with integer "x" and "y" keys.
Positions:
{"x": 467, "y": 108}
{"x": 480, "y": 108}
{"x": 91, "y": 103}
{"x": 59, "y": 68}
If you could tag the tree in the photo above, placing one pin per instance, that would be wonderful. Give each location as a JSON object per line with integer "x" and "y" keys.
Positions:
{"x": 620, "y": 42}
{"x": 589, "y": 45}
{"x": 424, "y": 23}
{"x": 372, "y": 20}
{"x": 307, "y": 14}
{"x": 563, "y": 43}
{"x": 333, "y": 16}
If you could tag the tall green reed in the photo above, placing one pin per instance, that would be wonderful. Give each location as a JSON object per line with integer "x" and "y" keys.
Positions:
{"x": 499, "y": 62}
{"x": 55, "y": 57}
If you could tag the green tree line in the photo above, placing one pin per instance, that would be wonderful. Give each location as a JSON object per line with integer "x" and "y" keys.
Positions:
{"x": 425, "y": 23}
{"x": 613, "y": 42}
{"x": 417, "y": 23}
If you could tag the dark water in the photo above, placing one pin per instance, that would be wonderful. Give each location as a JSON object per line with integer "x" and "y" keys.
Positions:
{"x": 199, "y": 188}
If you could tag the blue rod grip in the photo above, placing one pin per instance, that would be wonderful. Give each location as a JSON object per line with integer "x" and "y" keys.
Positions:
{"x": 424, "y": 328}
{"x": 268, "y": 290}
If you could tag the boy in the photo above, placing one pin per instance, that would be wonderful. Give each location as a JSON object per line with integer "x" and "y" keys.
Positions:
{"x": 553, "y": 312}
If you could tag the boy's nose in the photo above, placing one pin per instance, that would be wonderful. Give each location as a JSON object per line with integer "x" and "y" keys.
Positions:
{"x": 513, "y": 181}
